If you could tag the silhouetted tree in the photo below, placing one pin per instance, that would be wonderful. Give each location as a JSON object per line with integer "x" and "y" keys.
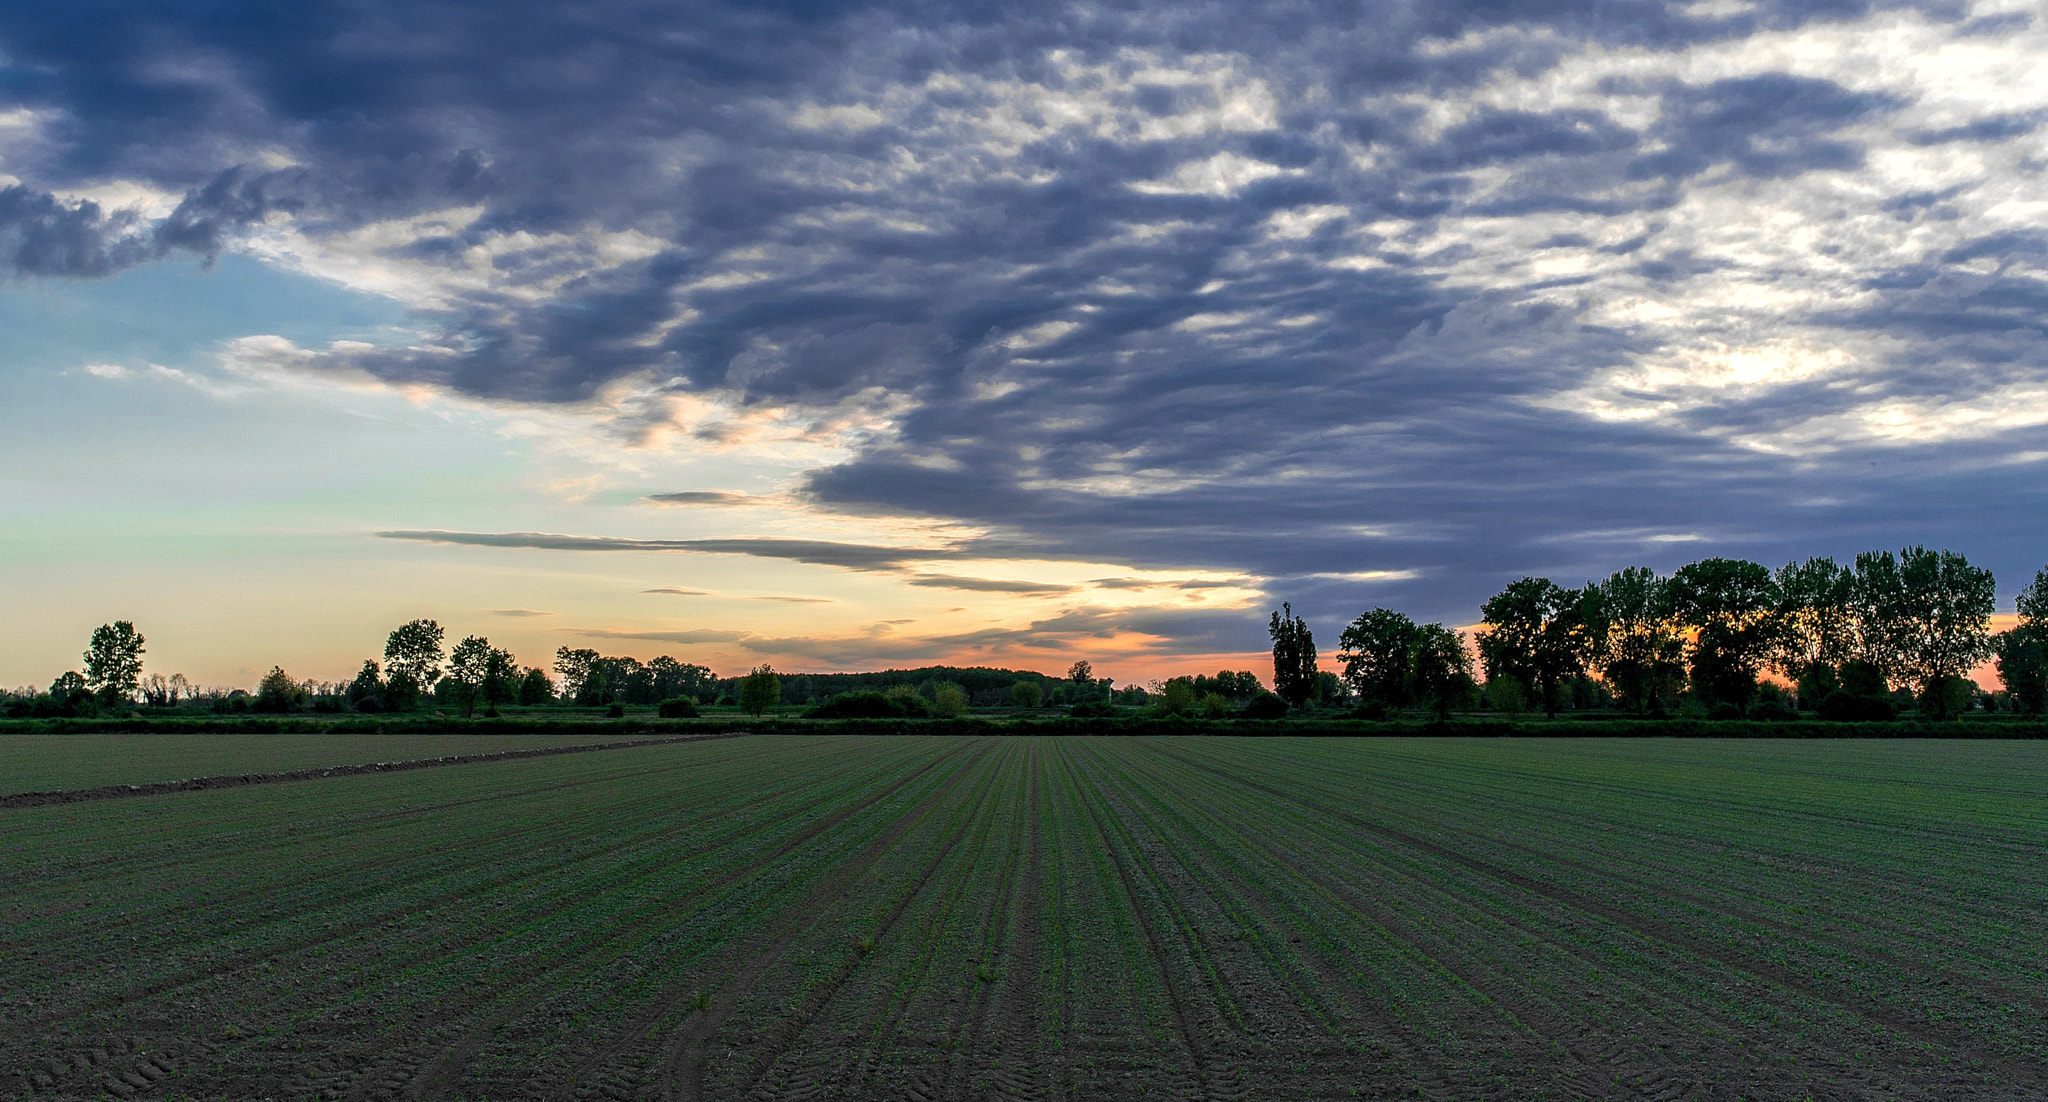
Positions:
{"x": 412, "y": 660}
{"x": 760, "y": 690}
{"x": 159, "y": 691}
{"x": 1948, "y": 606}
{"x": 479, "y": 671}
{"x": 1440, "y": 669}
{"x": 277, "y": 692}
{"x": 1375, "y": 650}
{"x": 1882, "y": 623}
{"x": 535, "y": 688}
{"x": 573, "y": 667}
{"x": 1731, "y": 603}
{"x": 366, "y": 692}
{"x": 1294, "y": 657}
{"x": 1632, "y": 641}
{"x": 1536, "y": 634}
{"x": 2023, "y": 650}
{"x": 1816, "y": 619}
{"x": 673, "y": 679}
{"x": 113, "y": 662}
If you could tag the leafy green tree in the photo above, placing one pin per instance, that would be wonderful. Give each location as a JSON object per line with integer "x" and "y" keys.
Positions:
{"x": 1440, "y": 669}
{"x": 1732, "y": 605}
{"x": 1228, "y": 684}
{"x": 1176, "y": 697}
{"x": 1026, "y": 694}
{"x": 760, "y": 690}
{"x": 1948, "y": 604}
{"x": 1374, "y": 650}
{"x": 1294, "y": 657}
{"x": 949, "y": 700}
{"x": 1536, "y": 633}
{"x": 113, "y": 662}
{"x": 412, "y": 659}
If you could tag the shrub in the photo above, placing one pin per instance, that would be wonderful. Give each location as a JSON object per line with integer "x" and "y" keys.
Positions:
{"x": 949, "y": 700}
{"x": 1268, "y": 706}
{"x": 1724, "y": 710}
{"x": 862, "y": 705}
{"x": 760, "y": 690}
{"x": 1215, "y": 705}
{"x": 1848, "y": 707}
{"x": 1092, "y": 710}
{"x": 1176, "y": 697}
{"x": 679, "y": 708}
{"x": 1947, "y": 698}
{"x": 1026, "y": 694}
{"x": 616, "y": 711}
{"x": 1770, "y": 709}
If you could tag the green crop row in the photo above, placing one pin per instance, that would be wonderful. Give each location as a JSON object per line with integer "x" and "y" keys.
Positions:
{"x": 1060, "y": 917}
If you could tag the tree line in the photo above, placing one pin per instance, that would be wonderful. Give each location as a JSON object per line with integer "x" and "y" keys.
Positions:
{"x": 418, "y": 669}
{"x": 1849, "y": 639}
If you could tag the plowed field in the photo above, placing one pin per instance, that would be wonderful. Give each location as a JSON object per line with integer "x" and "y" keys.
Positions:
{"x": 836, "y": 917}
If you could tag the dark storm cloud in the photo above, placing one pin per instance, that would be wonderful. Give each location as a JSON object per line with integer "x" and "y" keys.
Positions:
{"x": 1172, "y": 286}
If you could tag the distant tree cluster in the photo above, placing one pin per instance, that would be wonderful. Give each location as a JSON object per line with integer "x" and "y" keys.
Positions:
{"x": 1848, "y": 637}
{"x": 1391, "y": 662}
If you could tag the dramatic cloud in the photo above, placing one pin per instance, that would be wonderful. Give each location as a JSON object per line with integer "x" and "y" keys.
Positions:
{"x": 1366, "y": 303}
{"x": 852, "y": 556}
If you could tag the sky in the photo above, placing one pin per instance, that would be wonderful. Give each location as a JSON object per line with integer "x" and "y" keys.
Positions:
{"x": 847, "y": 336}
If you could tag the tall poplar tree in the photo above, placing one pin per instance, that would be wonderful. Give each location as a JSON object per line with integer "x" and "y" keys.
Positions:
{"x": 1294, "y": 657}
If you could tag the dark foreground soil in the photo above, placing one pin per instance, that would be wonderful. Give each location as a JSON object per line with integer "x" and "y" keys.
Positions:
{"x": 1049, "y": 918}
